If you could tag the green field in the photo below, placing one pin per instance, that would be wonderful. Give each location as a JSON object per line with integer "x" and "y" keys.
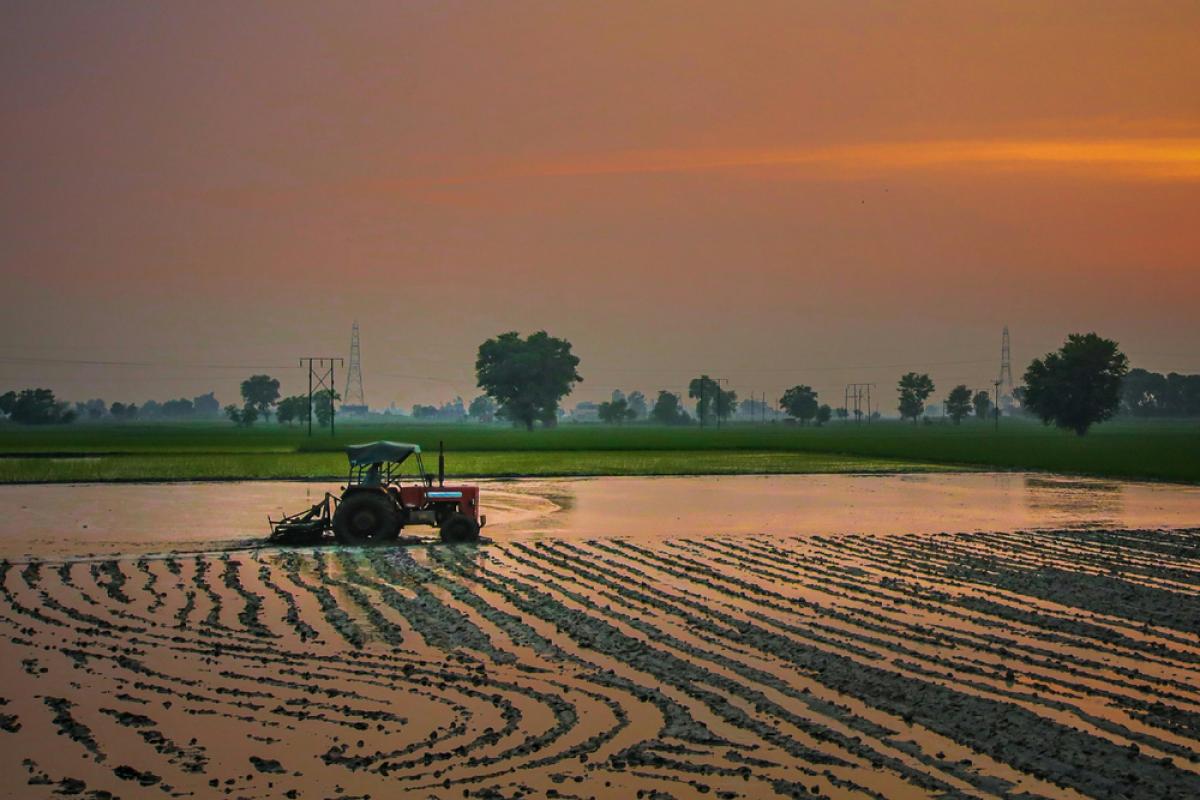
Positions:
{"x": 1148, "y": 450}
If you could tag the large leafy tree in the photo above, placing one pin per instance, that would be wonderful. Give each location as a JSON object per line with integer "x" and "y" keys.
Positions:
{"x": 958, "y": 403}
{"x": 800, "y": 402}
{"x": 982, "y": 402}
{"x": 527, "y": 377}
{"x": 35, "y": 407}
{"x": 1079, "y": 385}
{"x": 261, "y": 391}
{"x": 914, "y": 390}
{"x": 668, "y": 410}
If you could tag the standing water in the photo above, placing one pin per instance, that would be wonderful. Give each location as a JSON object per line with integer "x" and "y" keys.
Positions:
{"x": 63, "y": 520}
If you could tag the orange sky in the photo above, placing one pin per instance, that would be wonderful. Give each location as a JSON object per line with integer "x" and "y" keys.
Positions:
{"x": 774, "y": 192}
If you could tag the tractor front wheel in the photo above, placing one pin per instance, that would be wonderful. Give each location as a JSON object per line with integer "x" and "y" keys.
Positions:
{"x": 460, "y": 528}
{"x": 366, "y": 518}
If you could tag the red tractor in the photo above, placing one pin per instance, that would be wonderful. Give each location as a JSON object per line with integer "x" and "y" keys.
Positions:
{"x": 375, "y": 505}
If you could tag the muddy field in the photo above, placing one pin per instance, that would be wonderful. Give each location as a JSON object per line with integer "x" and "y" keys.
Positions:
{"x": 1054, "y": 664}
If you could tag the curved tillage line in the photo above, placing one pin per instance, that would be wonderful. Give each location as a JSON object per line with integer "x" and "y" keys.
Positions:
{"x": 944, "y": 634}
{"x": 936, "y": 570}
{"x": 1094, "y": 556}
{"x": 490, "y": 599}
{"x": 955, "y": 726}
{"x": 884, "y": 747}
{"x": 1014, "y": 557}
{"x": 955, "y": 590}
{"x": 692, "y": 678}
{"x": 426, "y": 611}
{"x": 251, "y": 614}
{"x": 292, "y": 616}
{"x": 1140, "y": 734}
{"x": 1090, "y": 592}
{"x": 150, "y": 586}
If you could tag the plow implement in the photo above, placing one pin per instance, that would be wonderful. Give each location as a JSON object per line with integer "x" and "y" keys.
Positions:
{"x": 305, "y": 527}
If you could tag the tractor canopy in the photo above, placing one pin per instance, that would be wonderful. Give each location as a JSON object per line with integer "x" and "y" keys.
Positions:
{"x": 364, "y": 455}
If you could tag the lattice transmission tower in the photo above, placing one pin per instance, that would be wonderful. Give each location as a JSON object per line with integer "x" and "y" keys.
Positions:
{"x": 1004, "y": 385}
{"x": 353, "y": 400}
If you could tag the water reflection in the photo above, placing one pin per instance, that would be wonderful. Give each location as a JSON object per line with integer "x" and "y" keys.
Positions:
{"x": 1073, "y": 503}
{"x": 52, "y": 521}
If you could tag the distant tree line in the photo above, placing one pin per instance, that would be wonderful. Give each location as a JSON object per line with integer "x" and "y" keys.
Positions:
{"x": 1152, "y": 394}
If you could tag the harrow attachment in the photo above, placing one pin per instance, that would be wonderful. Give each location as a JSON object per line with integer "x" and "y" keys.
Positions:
{"x": 305, "y": 527}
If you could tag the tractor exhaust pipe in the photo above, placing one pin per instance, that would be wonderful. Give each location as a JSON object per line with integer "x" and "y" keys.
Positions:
{"x": 441, "y": 463}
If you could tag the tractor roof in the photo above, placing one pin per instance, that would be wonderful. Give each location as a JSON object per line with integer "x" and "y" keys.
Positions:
{"x": 362, "y": 455}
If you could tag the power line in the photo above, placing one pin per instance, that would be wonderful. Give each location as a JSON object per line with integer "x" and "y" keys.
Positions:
{"x": 87, "y": 362}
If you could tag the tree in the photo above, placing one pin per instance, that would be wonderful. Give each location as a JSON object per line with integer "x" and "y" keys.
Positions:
{"x": 637, "y": 404}
{"x": 322, "y": 405}
{"x": 243, "y": 417}
{"x": 800, "y": 402}
{"x": 958, "y": 403}
{"x": 178, "y": 409}
{"x": 615, "y": 411}
{"x": 93, "y": 409}
{"x": 260, "y": 391}
{"x": 823, "y": 415}
{"x": 668, "y": 410}
{"x": 292, "y": 409}
{"x": 482, "y": 408}
{"x": 982, "y": 401}
{"x": 841, "y": 412}
{"x": 726, "y": 403}
{"x": 1079, "y": 385}
{"x": 703, "y": 390}
{"x": 914, "y": 391}
{"x": 35, "y": 407}
{"x": 206, "y": 405}
{"x": 527, "y": 377}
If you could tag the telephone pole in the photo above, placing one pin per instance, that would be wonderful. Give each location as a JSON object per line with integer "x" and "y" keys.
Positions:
{"x": 320, "y": 376}
{"x": 858, "y": 392}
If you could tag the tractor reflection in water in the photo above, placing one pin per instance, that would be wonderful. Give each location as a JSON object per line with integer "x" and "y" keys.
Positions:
{"x": 375, "y": 505}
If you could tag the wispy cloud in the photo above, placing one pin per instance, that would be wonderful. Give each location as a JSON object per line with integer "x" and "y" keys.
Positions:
{"x": 1169, "y": 159}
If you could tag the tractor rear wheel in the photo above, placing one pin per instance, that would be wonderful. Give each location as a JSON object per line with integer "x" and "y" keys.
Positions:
{"x": 366, "y": 518}
{"x": 460, "y": 528}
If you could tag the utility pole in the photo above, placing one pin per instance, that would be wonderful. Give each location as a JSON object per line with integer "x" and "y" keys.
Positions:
{"x": 717, "y": 407}
{"x": 858, "y": 392}
{"x": 996, "y": 407}
{"x": 320, "y": 376}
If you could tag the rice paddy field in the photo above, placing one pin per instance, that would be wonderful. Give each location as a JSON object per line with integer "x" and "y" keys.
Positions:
{"x": 1052, "y": 664}
{"x": 959, "y": 633}
{"x": 1125, "y": 449}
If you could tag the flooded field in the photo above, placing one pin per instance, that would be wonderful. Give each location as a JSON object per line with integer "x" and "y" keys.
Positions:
{"x": 83, "y": 519}
{"x": 878, "y": 658}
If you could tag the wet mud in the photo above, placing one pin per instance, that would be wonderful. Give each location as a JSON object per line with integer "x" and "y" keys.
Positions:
{"x": 1017, "y": 664}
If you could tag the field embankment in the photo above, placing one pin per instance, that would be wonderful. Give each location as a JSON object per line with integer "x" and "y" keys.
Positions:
{"x": 1134, "y": 450}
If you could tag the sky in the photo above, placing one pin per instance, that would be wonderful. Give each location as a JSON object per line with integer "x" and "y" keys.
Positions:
{"x": 770, "y": 192}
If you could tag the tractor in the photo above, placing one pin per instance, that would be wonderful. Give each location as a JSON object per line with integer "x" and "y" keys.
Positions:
{"x": 375, "y": 506}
